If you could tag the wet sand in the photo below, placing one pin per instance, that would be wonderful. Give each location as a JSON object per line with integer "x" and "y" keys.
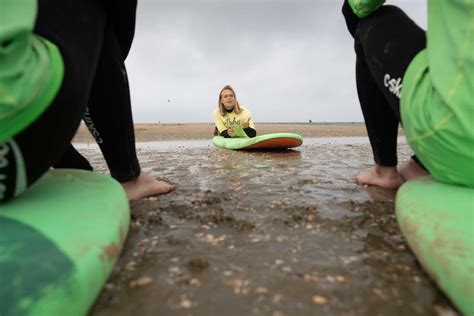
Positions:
{"x": 266, "y": 233}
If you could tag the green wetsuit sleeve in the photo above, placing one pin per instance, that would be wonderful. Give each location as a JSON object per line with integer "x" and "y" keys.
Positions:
{"x": 363, "y": 8}
{"x": 31, "y": 68}
{"x": 16, "y": 17}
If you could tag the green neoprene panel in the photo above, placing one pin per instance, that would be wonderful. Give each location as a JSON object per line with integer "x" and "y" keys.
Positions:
{"x": 363, "y": 8}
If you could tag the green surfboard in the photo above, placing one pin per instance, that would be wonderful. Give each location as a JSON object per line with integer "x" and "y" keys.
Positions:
{"x": 437, "y": 221}
{"x": 268, "y": 141}
{"x": 59, "y": 242}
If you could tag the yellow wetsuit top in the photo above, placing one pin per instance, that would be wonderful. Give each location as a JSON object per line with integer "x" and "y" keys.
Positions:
{"x": 231, "y": 119}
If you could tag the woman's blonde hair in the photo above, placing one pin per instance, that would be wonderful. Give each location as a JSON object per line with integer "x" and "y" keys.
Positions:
{"x": 221, "y": 106}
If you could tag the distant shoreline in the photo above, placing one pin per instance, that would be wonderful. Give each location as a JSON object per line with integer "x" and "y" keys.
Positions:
{"x": 189, "y": 131}
{"x": 314, "y": 123}
{"x": 287, "y": 123}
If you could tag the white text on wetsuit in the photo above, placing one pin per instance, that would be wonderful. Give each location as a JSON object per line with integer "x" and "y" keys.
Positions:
{"x": 229, "y": 124}
{"x": 91, "y": 126}
{"x": 393, "y": 85}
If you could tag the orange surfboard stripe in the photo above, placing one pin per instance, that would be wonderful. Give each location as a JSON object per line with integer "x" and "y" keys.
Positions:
{"x": 283, "y": 142}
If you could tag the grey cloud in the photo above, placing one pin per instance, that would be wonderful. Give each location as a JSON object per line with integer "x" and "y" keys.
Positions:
{"x": 288, "y": 60}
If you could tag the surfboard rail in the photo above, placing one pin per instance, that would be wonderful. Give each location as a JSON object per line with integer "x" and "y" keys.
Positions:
{"x": 59, "y": 241}
{"x": 437, "y": 220}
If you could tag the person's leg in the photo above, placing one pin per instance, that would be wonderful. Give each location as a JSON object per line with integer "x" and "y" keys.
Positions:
{"x": 382, "y": 128}
{"x": 122, "y": 15}
{"x": 72, "y": 159}
{"x": 405, "y": 40}
{"x": 76, "y": 27}
{"x": 109, "y": 118}
{"x": 385, "y": 44}
{"x": 381, "y": 121}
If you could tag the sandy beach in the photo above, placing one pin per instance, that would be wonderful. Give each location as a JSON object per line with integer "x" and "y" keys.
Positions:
{"x": 264, "y": 233}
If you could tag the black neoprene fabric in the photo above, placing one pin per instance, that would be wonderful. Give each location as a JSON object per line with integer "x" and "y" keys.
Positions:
{"x": 93, "y": 48}
{"x": 385, "y": 43}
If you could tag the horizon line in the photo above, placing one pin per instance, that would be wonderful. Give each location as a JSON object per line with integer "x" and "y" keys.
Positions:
{"x": 296, "y": 122}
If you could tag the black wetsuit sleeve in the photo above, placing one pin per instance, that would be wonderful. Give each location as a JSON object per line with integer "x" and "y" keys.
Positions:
{"x": 250, "y": 132}
{"x": 225, "y": 134}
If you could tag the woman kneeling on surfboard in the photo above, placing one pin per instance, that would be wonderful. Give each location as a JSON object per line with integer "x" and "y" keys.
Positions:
{"x": 231, "y": 119}
{"x": 435, "y": 105}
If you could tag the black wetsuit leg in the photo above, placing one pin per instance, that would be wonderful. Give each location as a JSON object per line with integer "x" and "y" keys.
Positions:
{"x": 122, "y": 15}
{"x": 385, "y": 44}
{"x": 72, "y": 159}
{"x": 109, "y": 114}
{"x": 77, "y": 28}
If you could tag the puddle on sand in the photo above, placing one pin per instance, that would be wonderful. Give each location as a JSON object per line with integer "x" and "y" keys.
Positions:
{"x": 265, "y": 233}
{"x": 189, "y": 144}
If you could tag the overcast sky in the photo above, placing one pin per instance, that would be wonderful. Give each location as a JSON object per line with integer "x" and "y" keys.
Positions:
{"x": 289, "y": 61}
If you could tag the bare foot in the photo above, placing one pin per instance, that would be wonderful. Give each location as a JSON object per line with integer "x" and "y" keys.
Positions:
{"x": 411, "y": 170}
{"x": 145, "y": 186}
{"x": 381, "y": 176}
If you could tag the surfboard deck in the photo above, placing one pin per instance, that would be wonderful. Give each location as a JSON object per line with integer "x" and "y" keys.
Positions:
{"x": 437, "y": 221}
{"x": 265, "y": 142}
{"x": 59, "y": 241}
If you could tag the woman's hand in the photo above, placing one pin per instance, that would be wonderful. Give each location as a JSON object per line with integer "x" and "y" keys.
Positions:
{"x": 231, "y": 132}
{"x": 246, "y": 123}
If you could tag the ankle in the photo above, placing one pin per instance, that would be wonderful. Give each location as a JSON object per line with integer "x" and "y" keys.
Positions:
{"x": 411, "y": 170}
{"x": 386, "y": 171}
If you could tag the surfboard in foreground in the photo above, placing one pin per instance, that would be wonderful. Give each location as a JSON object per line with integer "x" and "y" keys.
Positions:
{"x": 437, "y": 221}
{"x": 268, "y": 141}
{"x": 59, "y": 242}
